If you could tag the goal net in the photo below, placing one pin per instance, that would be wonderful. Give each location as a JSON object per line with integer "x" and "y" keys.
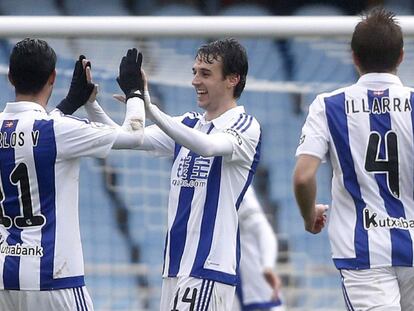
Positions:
{"x": 123, "y": 199}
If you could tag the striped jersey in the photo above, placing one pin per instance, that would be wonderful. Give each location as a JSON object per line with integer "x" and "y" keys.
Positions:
{"x": 205, "y": 193}
{"x": 40, "y": 244}
{"x": 368, "y": 131}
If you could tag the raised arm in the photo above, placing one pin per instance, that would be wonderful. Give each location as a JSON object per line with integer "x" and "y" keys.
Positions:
{"x": 219, "y": 144}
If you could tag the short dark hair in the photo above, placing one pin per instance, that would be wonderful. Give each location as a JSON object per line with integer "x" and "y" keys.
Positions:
{"x": 377, "y": 41}
{"x": 233, "y": 56}
{"x": 32, "y": 61}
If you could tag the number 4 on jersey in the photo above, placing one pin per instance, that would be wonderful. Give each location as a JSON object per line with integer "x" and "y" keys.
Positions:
{"x": 389, "y": 165}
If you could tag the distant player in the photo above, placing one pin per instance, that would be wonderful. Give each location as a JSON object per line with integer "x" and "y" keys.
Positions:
{"x": 41, "y": 261}
{"x": 259, "y": 286}
{"x": 215, "y": 157}
{"x": 368, "y": 131}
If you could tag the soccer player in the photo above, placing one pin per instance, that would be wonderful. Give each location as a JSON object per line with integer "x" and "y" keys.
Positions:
{"x": 215, "y": 157}
{"x": 259, "y": 286}
{"x": 41, "y": 261}
{"x": 367, "y": 130}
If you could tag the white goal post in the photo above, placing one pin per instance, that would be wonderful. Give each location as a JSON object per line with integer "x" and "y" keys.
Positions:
{"x": 180, "y": 26}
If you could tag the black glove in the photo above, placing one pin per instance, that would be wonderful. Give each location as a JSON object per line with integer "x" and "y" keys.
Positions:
{"x": 80, "y": 89}
{"x": 130, "y": 77}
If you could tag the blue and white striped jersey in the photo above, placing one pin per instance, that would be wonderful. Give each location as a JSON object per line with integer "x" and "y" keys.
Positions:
{"x": 205, "y": 193}
{"x": 368, "y": 131}
{"x": 40, "y": 245}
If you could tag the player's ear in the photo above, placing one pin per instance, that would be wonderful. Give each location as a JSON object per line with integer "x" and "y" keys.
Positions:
{"x": 10, "y": 78}
{"x": 233, "y": 79}
{"x": 357, "y": 63}
{"x": 52, "y": 78}
{"x": 401, "y": 57}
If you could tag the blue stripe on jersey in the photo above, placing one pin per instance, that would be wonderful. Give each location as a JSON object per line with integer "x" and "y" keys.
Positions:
{"x": 11, "y": 205}
{"x": 245, "y": 118}
{"x": 165, "y": 252}
{"x": 262, "y": 305}
{"x": 252, "y": 170}
{"x": 190, "y": 122}
{"x": 401, "y": 243}
{"x": 209, "y": 216}
{"x": 238, "y": 120}
{"x": 338, "y": 127}
{"x": 44, "y": 154}
{"x": 248, "y": 124}
{"x": 178, "y": 232}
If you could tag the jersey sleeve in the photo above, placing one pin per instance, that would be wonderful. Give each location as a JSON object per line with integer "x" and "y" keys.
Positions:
{"x": 81, "y": 138}
{"x": 314, "y": 138}
{"x": 245, "y": 140}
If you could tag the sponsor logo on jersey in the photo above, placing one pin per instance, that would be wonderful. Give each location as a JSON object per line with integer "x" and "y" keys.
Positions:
{"x": 21, "y": 250}
{"x": 192, "y": 171}
{"x": 372, "y": 221}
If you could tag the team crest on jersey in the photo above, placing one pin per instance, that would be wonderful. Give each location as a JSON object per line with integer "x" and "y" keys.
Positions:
{"x": 378, "y": 93}
{"x": 8, "y": 124}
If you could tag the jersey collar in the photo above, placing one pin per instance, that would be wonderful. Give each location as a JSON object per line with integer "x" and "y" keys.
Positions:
{"x": 21, "y": 106}
{"x": 380, "y": 79}
{"x": 223, "y": 120}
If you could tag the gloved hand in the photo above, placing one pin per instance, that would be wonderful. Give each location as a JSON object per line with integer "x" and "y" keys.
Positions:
{"x": 130, "y": 77}
{"x": 80, "y": 89}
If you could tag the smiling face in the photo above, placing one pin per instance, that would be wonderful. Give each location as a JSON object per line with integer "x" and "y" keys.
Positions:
{"x": 214, "y": 92}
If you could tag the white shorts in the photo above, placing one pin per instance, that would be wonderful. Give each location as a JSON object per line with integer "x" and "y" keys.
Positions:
{"x": 379, "y": 289}
{"x": 68, "y": 299}
{"x": 192, "y": 294}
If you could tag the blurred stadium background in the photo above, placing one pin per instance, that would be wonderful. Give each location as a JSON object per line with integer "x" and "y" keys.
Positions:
{"x": 123, "y": 199}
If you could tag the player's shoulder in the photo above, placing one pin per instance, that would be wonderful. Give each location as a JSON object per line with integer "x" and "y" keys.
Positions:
{"x": 62, "y": 118}
{"x": 322, "y": 96}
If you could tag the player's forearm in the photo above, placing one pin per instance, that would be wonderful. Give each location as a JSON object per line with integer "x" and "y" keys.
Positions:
{"x": 305, "y": 194}
{"x": 200, "y": 143}
{"x": 131, "y": 133}
{"x": 97, "y": 114}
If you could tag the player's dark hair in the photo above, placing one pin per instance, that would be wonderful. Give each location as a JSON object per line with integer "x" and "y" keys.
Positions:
{"x": 32, "y": 61}
{"x": 233, "y": 56}
{"x": 377, "y": 41}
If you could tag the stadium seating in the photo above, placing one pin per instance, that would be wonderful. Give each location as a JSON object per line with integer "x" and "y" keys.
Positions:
{"x": 180, "y": 46}
{"x": 266, "y": 61}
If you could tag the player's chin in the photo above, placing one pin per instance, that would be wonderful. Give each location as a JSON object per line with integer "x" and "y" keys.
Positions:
{"x": 202, "y": 104}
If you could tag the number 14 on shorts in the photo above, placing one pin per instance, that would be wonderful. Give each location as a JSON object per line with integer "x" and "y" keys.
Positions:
{"x": 186, "y": 298}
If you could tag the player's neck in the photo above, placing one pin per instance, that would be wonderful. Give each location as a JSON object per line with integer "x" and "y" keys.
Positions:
{"x": 38, "y": 99}
{"x": 220, "y": 109}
